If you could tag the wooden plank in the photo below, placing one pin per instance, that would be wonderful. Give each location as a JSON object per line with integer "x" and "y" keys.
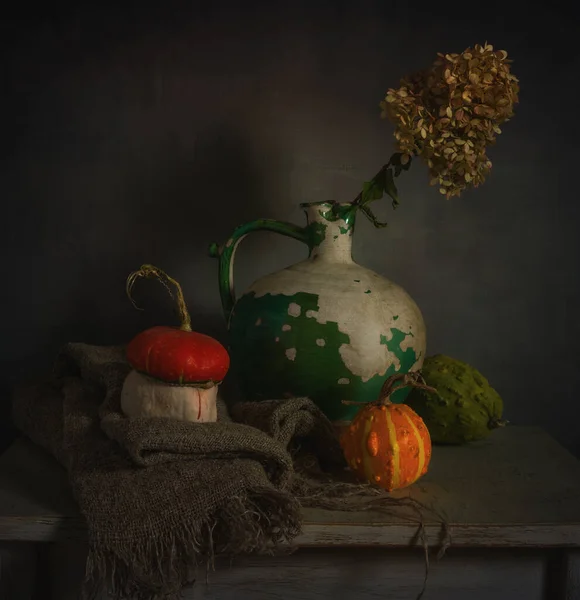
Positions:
{"x": 571, "y": 575}
{"x": 563, "y": 574}
{"x": 544, "y": 535}
{"x": 17, "y": 571}
{"x": 517, "y": 488}
{"x": 368, "y": 574}
{"x": 36, "y": 503}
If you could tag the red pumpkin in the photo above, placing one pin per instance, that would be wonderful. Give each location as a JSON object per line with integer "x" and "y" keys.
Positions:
{"x": 178, "y": 356}
{"x": 176, "y": 370}
{"x": 388, "y": 444}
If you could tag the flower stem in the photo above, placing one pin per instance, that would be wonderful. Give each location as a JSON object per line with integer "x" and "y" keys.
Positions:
{"x": 359, "y": 199}
{"x": 384, "y": 181}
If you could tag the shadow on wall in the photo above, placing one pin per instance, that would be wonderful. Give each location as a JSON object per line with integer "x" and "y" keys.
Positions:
{"x": 170, "y": 213}
{"x": 115, "y": 164}
{"x": 170, "y": 201}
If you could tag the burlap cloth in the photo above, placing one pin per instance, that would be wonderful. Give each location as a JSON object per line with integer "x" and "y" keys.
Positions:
{"x": 161, "y": 497}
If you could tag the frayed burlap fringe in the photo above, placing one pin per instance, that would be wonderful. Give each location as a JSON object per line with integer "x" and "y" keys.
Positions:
{"x": 334, "y": 495}
{"x": 162, "y": 498}
{"x": 170, "y": 562}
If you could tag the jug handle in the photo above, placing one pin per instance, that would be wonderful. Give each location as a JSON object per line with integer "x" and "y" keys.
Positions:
{"x": 226, "y": 253}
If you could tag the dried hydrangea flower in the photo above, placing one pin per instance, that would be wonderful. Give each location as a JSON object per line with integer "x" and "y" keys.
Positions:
{"x": 450, "y": 113}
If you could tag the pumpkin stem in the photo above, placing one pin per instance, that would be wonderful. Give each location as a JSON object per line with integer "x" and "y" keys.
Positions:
{"x": 161, "y": 276}
{"x": 407, "y": 380}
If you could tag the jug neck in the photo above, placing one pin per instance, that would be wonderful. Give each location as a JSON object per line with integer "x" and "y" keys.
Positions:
{"x": 331, "y": 226}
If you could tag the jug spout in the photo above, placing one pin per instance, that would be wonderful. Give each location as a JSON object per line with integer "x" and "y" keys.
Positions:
{"x": 331, "y": 226}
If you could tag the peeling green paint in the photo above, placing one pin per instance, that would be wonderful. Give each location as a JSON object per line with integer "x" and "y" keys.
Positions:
{"x": 329, "y": 212}
{"x": 266, "y": 372}
{"x": 277, "y": 344}
{"x": 334, "y": 211}
{"x": 316, "y": 232}
{"x": 394, "y": 345}
{"x": 312, "y": 235}
{"x": 225, "y": 253}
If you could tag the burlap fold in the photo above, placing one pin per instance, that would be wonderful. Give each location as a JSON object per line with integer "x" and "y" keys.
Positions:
{"x": 162, "y": 496}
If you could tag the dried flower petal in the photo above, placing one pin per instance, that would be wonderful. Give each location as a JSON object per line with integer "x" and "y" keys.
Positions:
{"x": 451, "y": 112}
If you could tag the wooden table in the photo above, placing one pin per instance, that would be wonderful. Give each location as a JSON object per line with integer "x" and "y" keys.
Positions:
{"x": 513, "y": 502}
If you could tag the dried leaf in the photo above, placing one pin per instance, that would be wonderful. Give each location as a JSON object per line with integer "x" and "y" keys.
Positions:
{"x": 371, "y": 216}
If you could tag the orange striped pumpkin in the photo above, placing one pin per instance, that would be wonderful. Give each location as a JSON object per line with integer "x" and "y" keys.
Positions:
{"x": 388, "y": 444}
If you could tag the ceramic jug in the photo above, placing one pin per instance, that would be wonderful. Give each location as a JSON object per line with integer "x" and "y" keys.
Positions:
{"x": 326, "y": 327}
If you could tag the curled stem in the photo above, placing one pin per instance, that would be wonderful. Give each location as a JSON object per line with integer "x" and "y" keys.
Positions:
{"x": 150, "y": 271}
{"x": 413, "y": 379}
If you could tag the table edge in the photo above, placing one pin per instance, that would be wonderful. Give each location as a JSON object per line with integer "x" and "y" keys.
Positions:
{"x": 54, "y": 529}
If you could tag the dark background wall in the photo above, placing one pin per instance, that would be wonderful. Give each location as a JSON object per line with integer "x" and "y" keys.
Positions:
{"x": 141, "y": 135}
